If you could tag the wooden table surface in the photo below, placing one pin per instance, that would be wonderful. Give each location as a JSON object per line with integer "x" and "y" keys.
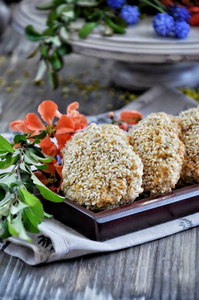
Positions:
{"x": 163, "y": 269}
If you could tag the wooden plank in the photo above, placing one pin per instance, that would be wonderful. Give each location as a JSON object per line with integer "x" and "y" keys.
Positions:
{"x": 163, "y": 269}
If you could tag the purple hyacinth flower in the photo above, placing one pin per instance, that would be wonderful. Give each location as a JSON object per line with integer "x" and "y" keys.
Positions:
{"x": 115, "y": 3}
{"x": 181, "y": 29}
{"x": 179, "y": 13}
{"x": 130, "y": 14}
{"x": 163, "y": 24}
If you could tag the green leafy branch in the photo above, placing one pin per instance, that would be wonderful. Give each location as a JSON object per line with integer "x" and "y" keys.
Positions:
{"x": 54, "y": 41}
{"x": 20, "y": 210}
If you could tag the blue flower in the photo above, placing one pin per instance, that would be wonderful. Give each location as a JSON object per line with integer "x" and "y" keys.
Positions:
{"x": 179, "y": 13}
{"x": 58, "y": 159}
{"x": 181, "y": 29}
{"x": 163, "y": 24}
{"x": 115, "y": 3}
{"x": 130, "y": 14}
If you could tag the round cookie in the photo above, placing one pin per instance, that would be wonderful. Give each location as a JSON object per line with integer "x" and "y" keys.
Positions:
{"x": 190, "y": 137}
{"x": 156, "y": 141}
{"x": 169, "y": 122}
{"x": 101, "y": 170}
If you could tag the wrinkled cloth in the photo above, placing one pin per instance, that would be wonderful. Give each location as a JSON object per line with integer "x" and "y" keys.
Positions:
{"x": 58, "y": 242}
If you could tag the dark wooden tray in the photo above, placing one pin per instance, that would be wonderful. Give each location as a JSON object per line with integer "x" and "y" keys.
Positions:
{"x": 126, "y": 218}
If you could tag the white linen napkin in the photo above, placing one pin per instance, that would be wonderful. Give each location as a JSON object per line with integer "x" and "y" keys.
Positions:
{"x": 57, "y": 241}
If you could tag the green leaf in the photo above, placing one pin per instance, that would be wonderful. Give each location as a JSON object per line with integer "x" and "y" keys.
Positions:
{"x": 42, "y": 167}
{"x": 36, "y": 150}
{"x": 54, "y": 40}
{"x": 12, "y": 161}
{"x": 33, "y": 53}
{"x": 64, "y": 8}
{"x": 3, "y": 175}
{"x": 45, "y": 159}
{"x": 45, "y": 192}
{"x": 6, "y": 183}
{"x": 116, "y": 28}
{"x": 2, "y": 193}
{"x": 41, "y": 71}
{"x": 53, "y": 79}
{"x": 52, "y": 16}
{"x": 108, "y": 31}
{"x": 23, "y": 167}
{"x": 32, "y": 217}
{"x": 5, "y": 146}
{"x": 44, "y": 50}
{"x": 4, "y": 186}
{"x": 15, "y": 209}
{"x": 4, "y": 209}
{"x": 28, "y": 225}
{"x": 48, "y": 216}
{"x": 25, "y": 178}
{"x": 64, "y": 49}
{"x": 2, "y": 164}
{"x": 29, "y": 160}
{"x": 8, "y": 161}
{"x": 36, "y": 141}
{"x": 16, "y": 227}
{"x": 41, "y": 135}
{"x": 7, "y": 200}
{"x": 55, "y": 61}
{"x": 3, "y": 155}
{"x": 5, "y": 233}
{"x": 120, "y": 22}
{"x": 34, "y": 203}
{"x": 87, "y": 29}
{"x": 88, "y": 3}
{"x": 48, "y": 31}
{"x": 46, "y": 6}
{"x": 70, "y": 15}
{"x": 98, "y": 14}
{"x": 20, "y": 138}
{"x": 64, "y": 34}
{"x": 37, "y": 159}
{"x": 11, "y": 229}
{"x": 15, "y": 184}
{"x": 33, "y": 35}
{"x": 59, "y": 2}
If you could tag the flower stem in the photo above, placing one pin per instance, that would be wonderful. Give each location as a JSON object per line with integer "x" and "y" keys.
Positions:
{"x": 18, "y": 167}
{"x": 159, "y": 4}
{"x": 153, "y": 5}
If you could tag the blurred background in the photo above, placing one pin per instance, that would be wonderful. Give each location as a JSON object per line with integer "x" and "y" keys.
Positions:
{"x": 85, "y": 79}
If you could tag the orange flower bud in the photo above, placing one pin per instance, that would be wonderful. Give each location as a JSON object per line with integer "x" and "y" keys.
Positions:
{"x": 124, "y": 126}
{"x": 111, "y": 115}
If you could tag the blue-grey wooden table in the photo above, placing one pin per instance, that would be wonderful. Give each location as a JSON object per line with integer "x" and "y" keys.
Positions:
{"x": 163, "y": 269}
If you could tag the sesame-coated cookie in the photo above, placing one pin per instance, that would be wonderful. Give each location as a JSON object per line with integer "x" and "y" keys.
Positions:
{"x": 171, "y": 123}
{"x": 101, "y": 170}
{"x": 190, "y": 137}
{"x": 156, "y": 140}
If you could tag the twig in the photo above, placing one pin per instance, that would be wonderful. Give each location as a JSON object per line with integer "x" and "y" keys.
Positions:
{"x": 18, "y": 167}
